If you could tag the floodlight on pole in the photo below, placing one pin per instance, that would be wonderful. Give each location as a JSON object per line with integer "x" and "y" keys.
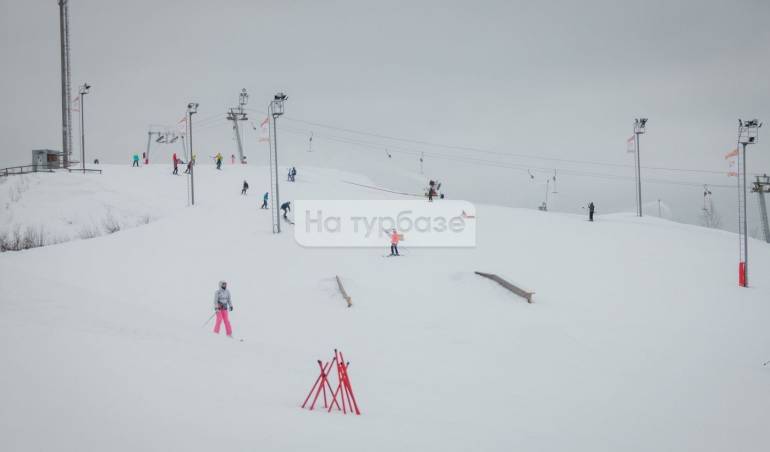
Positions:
{"x": 748, "y": 133}
{"x": 192, "y": 108}
{"x": 83, "y": 91}
{"x": 275, "y": 109}
{"x": 640, "y": 125}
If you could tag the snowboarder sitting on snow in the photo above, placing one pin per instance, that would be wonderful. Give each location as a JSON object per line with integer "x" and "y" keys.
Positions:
{"x": 264, "y": 201}
{"x": 591, "y": 211}
{"x": 223, "y": 304}
{"x": 394, "y": 238}
{"x": 286, "y": 207}
{"x": 245, "y": 188}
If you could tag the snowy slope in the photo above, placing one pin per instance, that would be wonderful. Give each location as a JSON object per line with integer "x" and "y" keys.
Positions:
{"x": 638, "y": 338}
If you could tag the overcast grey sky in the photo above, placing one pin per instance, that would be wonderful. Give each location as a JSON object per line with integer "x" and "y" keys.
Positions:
{"x": 561, "y": 79}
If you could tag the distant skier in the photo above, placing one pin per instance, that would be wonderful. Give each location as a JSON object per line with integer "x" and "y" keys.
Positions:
{"x": 176, "y": 165}
{"x": 219, "y": 159}
{"x": 394, "y": 238}
{"x": 288, "y": 176}
{"x": 264, "y": 201}
{"x": 223, "y": 304}
{"x": 136, "y": 161}
{"x": 293, "y": 173}
{"x": 591, "y": 211}
{"x": 245, "y": 188}
{"x": 232, "y": 159}
{"x": 145, "y": 159}
{"x": 286, "y": 207}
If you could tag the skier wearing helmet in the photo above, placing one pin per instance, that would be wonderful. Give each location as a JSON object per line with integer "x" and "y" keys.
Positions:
{"x": 223, "y": 304}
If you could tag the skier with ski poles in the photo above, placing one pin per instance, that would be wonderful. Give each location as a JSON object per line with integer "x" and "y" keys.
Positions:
{"x": 223, "y": 304}
{"x": 264, "y": 201}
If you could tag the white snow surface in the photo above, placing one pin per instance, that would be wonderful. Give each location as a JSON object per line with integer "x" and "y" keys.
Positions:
{"x": 638, "y": 339}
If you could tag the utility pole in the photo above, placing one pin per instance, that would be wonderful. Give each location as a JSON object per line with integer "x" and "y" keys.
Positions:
{"x": 748, "y": 133}
{"x": 639, "y": 128}
{"x": 83, "y": 91}
{"x": 762, "y": 186}
{"x": 66, "y": 111}
{"x": 192, "y": 108}
{"x": 237, "y": 114}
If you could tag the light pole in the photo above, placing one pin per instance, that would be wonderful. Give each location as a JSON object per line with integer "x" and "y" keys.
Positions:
{"x": 192, "y": 108}
{"x": 275, "y": 109}
{"x": 639, "y": 128}
{"x": 83, "y": 91}
{"x": 748, "y": 133}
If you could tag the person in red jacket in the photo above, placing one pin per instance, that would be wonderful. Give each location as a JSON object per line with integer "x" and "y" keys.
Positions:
{"x": 394, "y": 238}
{"x": 176, "y": 164}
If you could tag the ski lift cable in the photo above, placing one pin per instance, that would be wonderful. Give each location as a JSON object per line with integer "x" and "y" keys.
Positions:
{"x": 506, "y": 154}
{"x": 524, "y": 168}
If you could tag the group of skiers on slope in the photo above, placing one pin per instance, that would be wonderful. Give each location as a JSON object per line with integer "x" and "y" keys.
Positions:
{"x": 176, "y": 161}
{"x": 285, "y": 207}
{"x": 433, "y": 190}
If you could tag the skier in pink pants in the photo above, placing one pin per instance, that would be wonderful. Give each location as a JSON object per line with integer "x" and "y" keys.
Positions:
{"x": 222, "y": 305}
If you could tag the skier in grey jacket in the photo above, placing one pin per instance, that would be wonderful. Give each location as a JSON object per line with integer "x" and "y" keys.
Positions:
{"x": 223, "y": 304}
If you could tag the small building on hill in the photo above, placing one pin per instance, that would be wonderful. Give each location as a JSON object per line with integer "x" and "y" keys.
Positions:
{"x": 46, "y": 159}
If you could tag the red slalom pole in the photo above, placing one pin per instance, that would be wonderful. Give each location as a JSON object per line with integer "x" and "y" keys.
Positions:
{"x": 324, "y": 382}
{"x": 349, "y": 387}
{"x": 314, "y": 386}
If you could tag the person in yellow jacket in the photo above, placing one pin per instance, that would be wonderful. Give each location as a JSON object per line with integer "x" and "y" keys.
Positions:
{"x": 219, "y": 159}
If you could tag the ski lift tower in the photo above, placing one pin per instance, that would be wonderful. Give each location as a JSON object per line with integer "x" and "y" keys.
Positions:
{"x": 237, "y": 114}
{"x": 275, "y": 109}
{"x": 640, "y": 126}
{"x": 748, "y": 133}
{"x": 762, "y": 186}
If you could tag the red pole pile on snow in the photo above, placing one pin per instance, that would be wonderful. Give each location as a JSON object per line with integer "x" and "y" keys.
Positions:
{"x": 347, "y": 401}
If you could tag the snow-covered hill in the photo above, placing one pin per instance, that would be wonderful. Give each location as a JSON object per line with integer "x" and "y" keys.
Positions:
{"x": 639, "y": 338}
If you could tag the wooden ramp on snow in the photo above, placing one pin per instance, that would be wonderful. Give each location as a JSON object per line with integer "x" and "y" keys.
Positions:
{"x": 518, "y": 291}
